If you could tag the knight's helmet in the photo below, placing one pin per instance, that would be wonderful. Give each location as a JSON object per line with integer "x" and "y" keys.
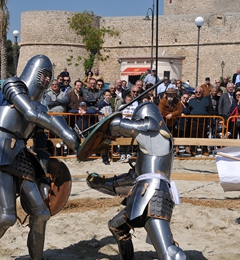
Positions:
{"x": 147, "y": 110}
{"x": 37, "y": 75}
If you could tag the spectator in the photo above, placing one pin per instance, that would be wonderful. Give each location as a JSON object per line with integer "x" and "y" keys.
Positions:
{"x": 64, "y": 73}
{"x": 145, "y": 98}
{"x": 86, "y": 80}
{"x": 66, "y": 84}
{"x": 105, "y": 109}
{"x": 124, "y": 84}
{"x": 125, "y": 151}
{"x": 91, "y": 95}
{"x": 96, "y": 75}
{"x": 199, "y": 105}
{"x": 151, "y": 97}
{"x": 84, "y": 120}
{"x": 236, "y": 77}
{"x": 139, "y": 85}
{"x": 99, "y": 84}
{"x": 235, "y": 111}
{"x": 170, "y": 108}
{"x": 75, "y": 97}
{"x": 125, "y": 88}
{"x": 173, "y": 83}
{"x": 225, "y": 102}
{"x": 220, "y": 92}
{"x": 128, "y": 111}
{"x": 217, "y": 83}
{"x": 56, "y": 100}
{"x": 152, "y": 78}
{"x": 135, "y": 94}
{"x": 105, "y": 103}
{"x": 143, "y": 76}
{"x": 223, "y": 84}
{"x": 116, "y": 101}
{"x": 119, "y": 89}
{"x": 162, "y": 88}
{"x": 214, "y": 99}
{"x": 207, "y": 86}
{"x": 183, "y": 122}
{"x": 60, "y": 82}
{"x": 180, "y": 89}
{"x": 191, "y": 95}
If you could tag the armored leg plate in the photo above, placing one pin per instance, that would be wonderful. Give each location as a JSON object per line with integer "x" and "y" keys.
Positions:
{"x": 162, "y": 240}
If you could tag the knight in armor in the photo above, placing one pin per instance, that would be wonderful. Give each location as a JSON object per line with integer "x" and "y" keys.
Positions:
{"x": 150, "y": 201}
{"x": 20, "y": 171}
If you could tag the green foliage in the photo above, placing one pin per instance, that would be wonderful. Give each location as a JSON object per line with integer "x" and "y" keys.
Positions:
{"x": 229, "y": 79}
{"x": 85, "y": 25}
{"x": 10, "y": 55}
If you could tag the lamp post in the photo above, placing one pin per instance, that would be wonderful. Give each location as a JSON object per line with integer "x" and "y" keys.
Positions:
{"x": 53, "y": 67}
{"x": 199, "y": 21}
{"x": 147, "y": 18}
{"x": 222, "y": 66}
{"x": 156, "y": 41}
{"x": 15, "y": 34}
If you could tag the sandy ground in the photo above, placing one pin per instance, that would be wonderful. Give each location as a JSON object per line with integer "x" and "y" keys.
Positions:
{"x": 203, "y": 224}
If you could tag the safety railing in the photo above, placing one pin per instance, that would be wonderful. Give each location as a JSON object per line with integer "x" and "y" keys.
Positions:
{"x": 195, "y": 137}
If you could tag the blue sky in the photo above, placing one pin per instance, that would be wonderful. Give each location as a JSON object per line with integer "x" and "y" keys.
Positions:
{"x": 100, "y": 7}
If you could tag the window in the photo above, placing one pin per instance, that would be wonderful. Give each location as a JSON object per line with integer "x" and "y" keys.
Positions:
{"x": 166, "y": 74}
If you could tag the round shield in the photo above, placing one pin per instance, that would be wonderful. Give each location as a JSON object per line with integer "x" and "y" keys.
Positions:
{"x": 98, "y": 139}
{"x": 61, "y": 183}
{"x": 59, "y": 187}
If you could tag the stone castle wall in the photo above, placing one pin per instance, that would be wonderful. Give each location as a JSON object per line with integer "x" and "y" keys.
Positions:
{"x": 48, "y": 32}
{"x": 172, "y": 7}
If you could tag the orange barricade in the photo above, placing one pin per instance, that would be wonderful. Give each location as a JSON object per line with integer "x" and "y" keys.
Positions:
{"x": 199, "y": 134}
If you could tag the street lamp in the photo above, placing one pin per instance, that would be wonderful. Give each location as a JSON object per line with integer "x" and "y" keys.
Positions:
{"x": 156, "y": 41}
{"x": 53, "y": 69}
{"x": 15, "y": 34}
{"x": 199, "y": 21}
{"x": 222, "y": 66}
{"x": 147, "y": 18}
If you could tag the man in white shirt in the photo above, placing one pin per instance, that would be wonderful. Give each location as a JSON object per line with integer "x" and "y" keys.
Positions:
{"x": 162, "y": 87}
{"x": 152, "y": 78}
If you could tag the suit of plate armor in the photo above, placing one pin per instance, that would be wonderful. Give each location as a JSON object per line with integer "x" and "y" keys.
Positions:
{"x": 19, "y": 169}
{"x": 149, "y": 203}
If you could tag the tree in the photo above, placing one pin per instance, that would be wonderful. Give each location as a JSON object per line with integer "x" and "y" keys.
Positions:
{"x": 10, "y": 59}
{"x": 3, "y": 36}
{"x": 85, "y": 24}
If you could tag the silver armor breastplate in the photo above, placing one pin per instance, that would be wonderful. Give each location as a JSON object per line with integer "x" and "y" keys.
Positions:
{"x": 153, "y": 164}
{"x": 14, "y": 122}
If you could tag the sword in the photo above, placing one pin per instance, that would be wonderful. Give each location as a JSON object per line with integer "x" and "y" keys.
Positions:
{"x": 78, "y": 132}
{"x": 126, "y": 105}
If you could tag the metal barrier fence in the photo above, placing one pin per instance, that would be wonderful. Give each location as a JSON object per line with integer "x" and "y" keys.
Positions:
{"x": 208, "y": 131}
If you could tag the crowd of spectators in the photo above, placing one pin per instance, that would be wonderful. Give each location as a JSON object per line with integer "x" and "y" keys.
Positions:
{"x": 89, "y": 101}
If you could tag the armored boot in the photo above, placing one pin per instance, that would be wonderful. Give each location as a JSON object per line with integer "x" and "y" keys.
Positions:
{"x": 120, "y": 231}
{"x": 36, "y": 237}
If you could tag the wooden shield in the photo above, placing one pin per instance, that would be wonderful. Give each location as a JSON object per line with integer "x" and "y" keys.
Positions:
{"x": 99, "y": 138}
{"x": 61, "y": 183}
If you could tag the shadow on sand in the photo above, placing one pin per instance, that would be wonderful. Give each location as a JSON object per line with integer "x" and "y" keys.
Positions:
{"x": 104, "y": 248}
